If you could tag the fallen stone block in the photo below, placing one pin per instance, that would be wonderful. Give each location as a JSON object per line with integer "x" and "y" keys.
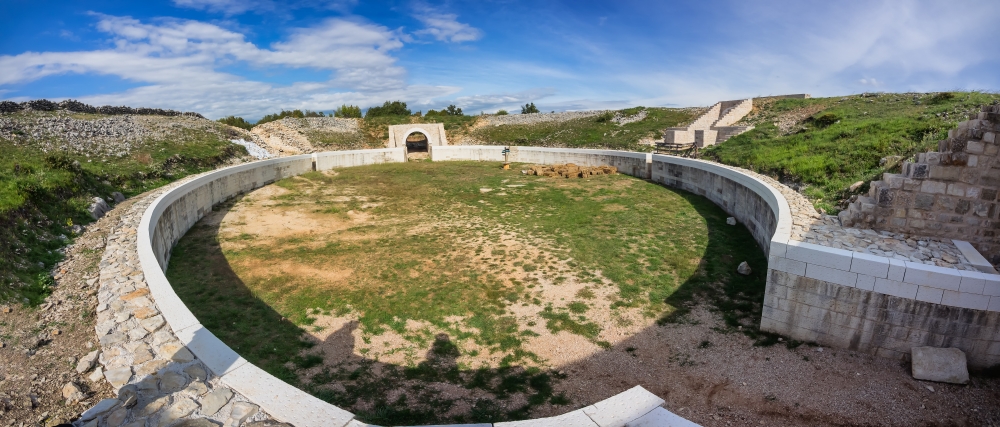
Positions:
{"x": 945, "y": 365}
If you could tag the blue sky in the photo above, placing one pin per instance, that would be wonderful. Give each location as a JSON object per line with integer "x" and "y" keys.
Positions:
{"x": 253, "y": 57}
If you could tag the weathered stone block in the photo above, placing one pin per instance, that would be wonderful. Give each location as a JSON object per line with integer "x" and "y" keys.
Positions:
{"x": 946, "y": 365}
{"x": 923, "y": 201}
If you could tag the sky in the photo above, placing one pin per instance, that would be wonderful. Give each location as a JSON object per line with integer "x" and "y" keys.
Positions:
{"x": 253, "y": 57}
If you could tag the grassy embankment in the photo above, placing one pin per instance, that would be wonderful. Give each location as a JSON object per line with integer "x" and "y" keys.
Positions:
{"x": 43, "y": 194}
{"x": 590, "y": 132}
{"x": 827, "y": 144}
{"x": 435, "y": 249}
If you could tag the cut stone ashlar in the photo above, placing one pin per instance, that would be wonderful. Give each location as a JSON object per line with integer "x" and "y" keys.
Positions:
{"x": 946, "y": 365}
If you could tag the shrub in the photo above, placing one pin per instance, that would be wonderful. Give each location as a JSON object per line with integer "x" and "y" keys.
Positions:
{"x": 529, "y": 108}
{"x": 452, "y": 110}
{"x": 42, "y": 105}
{"x": 394, "y": 108}
{"x": 501, "y": 112}
{"x": 825, "y": 120}
{"x": 348, "y": 112}
{"x": 297, "y": 114}
{"x": 236, "y": 122}
{"x": 942, "y": 97}
{"x": 604, "y": 117}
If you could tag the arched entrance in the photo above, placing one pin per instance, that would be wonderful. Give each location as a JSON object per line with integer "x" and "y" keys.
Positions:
{"x": 417, "y": 144}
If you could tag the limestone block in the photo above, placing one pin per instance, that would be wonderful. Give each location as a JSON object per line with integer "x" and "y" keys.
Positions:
{"x": 832, "y": 275}
{"x": 660, "y": 417}
{"x": 994, "y": 303}
{"x": 894, "y": 288}
{"x": 947, "y": 365}
{"x": 215, "y": 400}
{"x": 965, "y": 300}
{"x": 99, "y": 409}
{"x": 871, "y": 265}
{"x": 929, "y": 294}
{"x": 897, "y": 270}
{"x": 931, "y": 275}
{"x": 787, "y": 265}
{"x": 570, "y": 419}
{"x": 865, "y": 282}
{"x": 276, "y": 397}
{"x": 933, "y": 187}
{"x": 623, "y": 407}
{"x": 809, "y": 253}
{"x": 219, "y": 358}
{"x": 972, "y": 282}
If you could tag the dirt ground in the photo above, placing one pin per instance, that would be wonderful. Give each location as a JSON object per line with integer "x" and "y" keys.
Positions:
{"x": 40, "y": 347}
{"x": 706, "y": 372}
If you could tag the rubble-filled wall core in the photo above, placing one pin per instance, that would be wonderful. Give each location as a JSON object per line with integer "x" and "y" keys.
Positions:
{"x": 951, "y": 192}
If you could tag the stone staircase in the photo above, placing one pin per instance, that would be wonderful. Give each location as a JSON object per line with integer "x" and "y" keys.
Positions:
{"x": 948, "y": 193}
{"x": 714, "y": 126}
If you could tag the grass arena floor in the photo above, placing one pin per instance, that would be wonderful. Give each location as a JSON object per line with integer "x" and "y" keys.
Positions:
{"x": 453, "y": 292}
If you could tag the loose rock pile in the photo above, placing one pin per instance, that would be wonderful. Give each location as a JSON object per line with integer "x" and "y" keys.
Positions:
{"x": 288, "y": 136}
{"x": 570, "y": 170}
{"x": 527, "y": 119}
{"x": 79, "y": 107}
{"x": 114, "y": 136}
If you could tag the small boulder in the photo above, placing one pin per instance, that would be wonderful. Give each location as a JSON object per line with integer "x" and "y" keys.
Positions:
{"x": 854, "y": 187}
{"x": 946, "y": 365}
{"x": 118, "y": 197}
{"x": 731, "y": 221}
{"x": 72, "y": 393}
{"x": 98, "y": 207}
{"x": 744, "y": 268}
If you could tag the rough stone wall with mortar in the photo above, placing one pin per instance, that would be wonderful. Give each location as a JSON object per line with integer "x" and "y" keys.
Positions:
{"x": 159, "y": 381}
{"x": 949, "y": 193}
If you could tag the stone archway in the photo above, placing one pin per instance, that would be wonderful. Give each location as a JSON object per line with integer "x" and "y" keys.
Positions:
{"x": 417, "y": 145}
{"x": 434, "y": 132}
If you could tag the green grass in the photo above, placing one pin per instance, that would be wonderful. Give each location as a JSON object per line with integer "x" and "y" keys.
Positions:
{"x": 845, "y": 139}
{"x": 658, "y": 252}
{"x": 590, "y": 132}
{"x": 43, "y": 194}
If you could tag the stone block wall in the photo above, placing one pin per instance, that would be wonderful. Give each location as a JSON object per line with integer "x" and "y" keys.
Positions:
{"x": 950, "y": 193}
{"x": 869, "y": 318}
{"x": 627, "y": 162}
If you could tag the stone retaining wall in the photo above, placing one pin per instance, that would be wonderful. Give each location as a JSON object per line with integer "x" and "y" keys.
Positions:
{"x": 168, "y": 367}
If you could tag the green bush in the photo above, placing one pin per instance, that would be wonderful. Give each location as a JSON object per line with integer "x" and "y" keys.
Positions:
{"x": 942, "y": 97}
{"x": 452, "y": 110}
{"x": 298, "y": 114}
{"x": 529, "y": 108}
{"x": 394, "y": 108}
{"x": 348, "y": 112}
{"x": 501, "y": 112}
{"x": 237, "y": 122}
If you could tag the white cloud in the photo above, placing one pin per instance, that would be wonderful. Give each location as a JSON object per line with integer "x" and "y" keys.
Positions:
{"x": 795, "y": 47}
{"x": 237, "y": 7}
{"x": 180, "y": 61}
{"x": 445, "y": 27}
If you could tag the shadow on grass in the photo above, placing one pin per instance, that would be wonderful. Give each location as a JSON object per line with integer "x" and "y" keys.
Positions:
{"x": 389, "y": 394}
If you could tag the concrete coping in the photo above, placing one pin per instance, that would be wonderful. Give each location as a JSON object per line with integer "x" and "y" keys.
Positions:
{"x": 289, "y": 404}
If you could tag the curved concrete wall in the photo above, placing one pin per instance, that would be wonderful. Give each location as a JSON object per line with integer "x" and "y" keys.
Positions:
{"x": 794, "y": 298}
{"x": 174, "y": 212}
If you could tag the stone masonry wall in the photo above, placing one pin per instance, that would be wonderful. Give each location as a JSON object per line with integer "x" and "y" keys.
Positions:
{"x": 948, "y": 193}
{"x": 815, "y": 310}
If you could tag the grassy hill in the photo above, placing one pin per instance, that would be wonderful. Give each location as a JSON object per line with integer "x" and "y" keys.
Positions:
{"x": 54, "y": 162}
{"x": 823, "y": 145}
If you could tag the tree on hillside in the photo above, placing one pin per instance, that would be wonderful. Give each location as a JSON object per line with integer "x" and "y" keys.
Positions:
{"x": 452, "y": 110}
{"x": 501, "y": 112}
{"x": 529, "y": 108}
{"x": 237, "y": 122}
{"x": 394, "y": 108}
{"x": 348, "y": 112}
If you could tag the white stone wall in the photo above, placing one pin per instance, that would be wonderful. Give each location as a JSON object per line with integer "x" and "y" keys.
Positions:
{"x": 185, "y": 345}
